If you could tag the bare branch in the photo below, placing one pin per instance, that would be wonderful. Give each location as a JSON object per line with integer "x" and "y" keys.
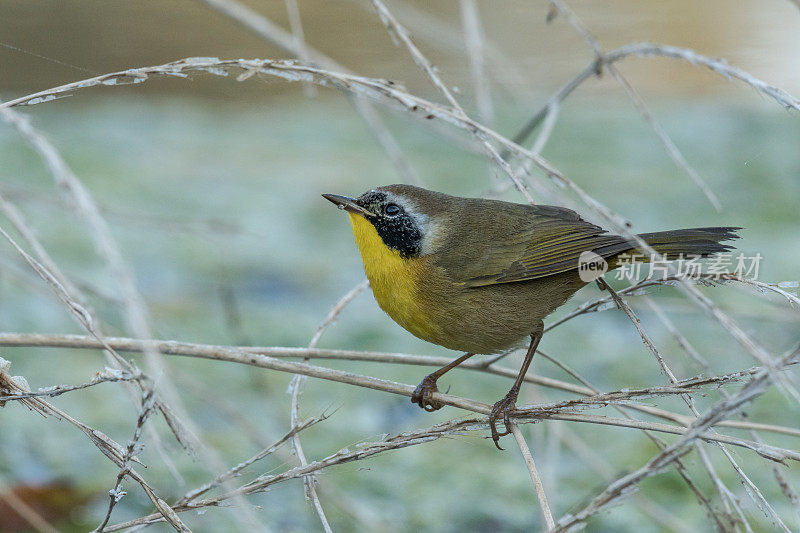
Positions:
{"x": 473, "y": 36}
{"x": 557, "y": 411}
{"x": 547, "y": 516}
{"x": 136, "y": 314}
{"x": 296, "y": 24}
{"x": 244, "y": 355}
{"x": 622, "y": 486}
{"x": 17, "y": 385}
{"x": 233, "y": 472}
{"x": 271, "y": 32}
{"x": 333, "y": 314}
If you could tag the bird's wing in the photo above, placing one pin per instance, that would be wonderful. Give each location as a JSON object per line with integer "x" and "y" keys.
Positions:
{"x": 551, "y": 241}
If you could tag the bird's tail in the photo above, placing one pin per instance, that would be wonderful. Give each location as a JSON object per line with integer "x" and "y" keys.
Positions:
{"x": 680, "y": 243}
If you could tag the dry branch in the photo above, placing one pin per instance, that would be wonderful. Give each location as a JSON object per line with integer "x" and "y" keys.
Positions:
{"x": 623, "y": 485}
{"x": 547, "y": 516}
{"x": 565, "y": 410}
{"x": 243, "y": 355}
{"x": 18, "y": 386}
{"x": 135, "y": 311}
{"x": 271, "y": 32}
{"x": 638, "y": 102}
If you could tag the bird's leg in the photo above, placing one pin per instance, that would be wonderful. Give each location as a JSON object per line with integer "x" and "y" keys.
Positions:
{"x": 422, "y": 394}
{"x": 508, "y": 403}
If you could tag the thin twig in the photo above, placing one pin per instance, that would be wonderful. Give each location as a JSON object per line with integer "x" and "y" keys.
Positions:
{"x": 645, "y": 49}
{"x": 443, "y": 34}
{"x": 296, "y": 23}
{"x": 110, "y": 375}
{"x": 233, "y": 472}
{"x": 397, "y": 30}
{"x": 336, "y": 310}
{"x": 669, "y": 146}
{"x": 547, "y": 516}
{"x": 754, "y": 492}
{"x": 679, "y": 466}
{"x": 135, "y": 312}
{"x": 120, "y": 456}
{"x": 116, "y": 494}
{"x": 271, "y": 32}
{"x": 474, "y": 39}
{"x": 310, "y": 482}
{"x": 656, "y": 465}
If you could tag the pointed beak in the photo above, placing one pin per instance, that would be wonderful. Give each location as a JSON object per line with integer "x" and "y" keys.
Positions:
{"x": 348, "y": 204}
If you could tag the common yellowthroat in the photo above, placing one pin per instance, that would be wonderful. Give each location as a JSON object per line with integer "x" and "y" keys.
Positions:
{"x": 479, "y": 276}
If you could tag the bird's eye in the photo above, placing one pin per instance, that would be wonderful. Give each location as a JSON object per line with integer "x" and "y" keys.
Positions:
{"x": 391, "y": 210}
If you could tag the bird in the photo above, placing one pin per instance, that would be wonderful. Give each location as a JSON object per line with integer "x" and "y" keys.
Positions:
{"x": 479, "y": 276}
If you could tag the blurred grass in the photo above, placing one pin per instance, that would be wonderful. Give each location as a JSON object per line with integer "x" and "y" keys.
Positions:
{"x": 212, "y": 198}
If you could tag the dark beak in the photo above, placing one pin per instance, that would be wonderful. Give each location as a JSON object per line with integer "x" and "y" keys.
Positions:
{"x": 348, "y": 204}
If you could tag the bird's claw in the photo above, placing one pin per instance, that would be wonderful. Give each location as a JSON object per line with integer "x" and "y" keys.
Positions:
{"x": 503, "y": 407}
{"x": 422, "y": 395}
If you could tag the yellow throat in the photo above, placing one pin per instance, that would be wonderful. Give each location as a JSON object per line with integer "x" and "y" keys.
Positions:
{"x": 393, "y": 279}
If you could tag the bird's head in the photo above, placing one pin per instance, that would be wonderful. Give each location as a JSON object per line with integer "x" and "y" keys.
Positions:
{"x": 406, "y": 218}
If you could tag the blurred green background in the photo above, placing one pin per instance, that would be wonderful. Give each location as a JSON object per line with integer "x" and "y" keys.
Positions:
{"x": 212, "y": 189}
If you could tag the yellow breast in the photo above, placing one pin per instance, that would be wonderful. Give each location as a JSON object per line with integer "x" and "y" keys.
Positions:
{"x": 394, "y": 280}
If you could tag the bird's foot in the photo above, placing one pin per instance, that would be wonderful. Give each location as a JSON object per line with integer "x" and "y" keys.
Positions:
{"x": 502, "y": 408}
{"x": 422, "y": 394}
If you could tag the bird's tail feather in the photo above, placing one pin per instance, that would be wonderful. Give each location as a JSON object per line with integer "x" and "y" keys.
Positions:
{"x": 675, "y": 244}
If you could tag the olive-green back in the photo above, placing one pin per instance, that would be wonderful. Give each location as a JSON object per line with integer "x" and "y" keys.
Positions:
{"x": 491, "y": 242}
